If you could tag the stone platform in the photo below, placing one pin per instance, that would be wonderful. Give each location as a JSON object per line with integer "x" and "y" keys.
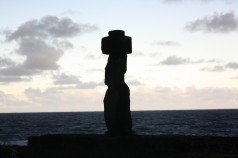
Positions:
{"x": 146, "y": 146}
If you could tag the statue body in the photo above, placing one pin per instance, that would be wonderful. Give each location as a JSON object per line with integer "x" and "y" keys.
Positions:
{"x": 117, "y": 98}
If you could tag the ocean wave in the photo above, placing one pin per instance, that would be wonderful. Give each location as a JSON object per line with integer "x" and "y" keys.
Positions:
{"x": 16, "y": 128}
{"x": 15, "y": 142}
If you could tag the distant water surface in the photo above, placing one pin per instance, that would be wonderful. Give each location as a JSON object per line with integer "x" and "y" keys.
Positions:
{"x": 16, "y": 127}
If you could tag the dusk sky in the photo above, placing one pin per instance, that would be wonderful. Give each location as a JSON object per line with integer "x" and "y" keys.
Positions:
{"x": 185, "y": 54}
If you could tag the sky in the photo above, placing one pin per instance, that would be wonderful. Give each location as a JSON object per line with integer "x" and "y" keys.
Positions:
{"x": 185, "y": 54}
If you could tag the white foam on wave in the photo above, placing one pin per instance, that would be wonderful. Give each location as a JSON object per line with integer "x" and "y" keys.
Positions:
{"x": 15, "y": 142}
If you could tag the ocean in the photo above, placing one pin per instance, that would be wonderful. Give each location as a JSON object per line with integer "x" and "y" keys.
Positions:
{"x": 16, "y": 127}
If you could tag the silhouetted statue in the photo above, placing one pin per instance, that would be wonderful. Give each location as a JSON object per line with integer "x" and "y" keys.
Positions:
{"x": 117, "y": 99}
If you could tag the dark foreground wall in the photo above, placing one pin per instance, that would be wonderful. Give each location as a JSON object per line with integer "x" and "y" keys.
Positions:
{"x": 135, "y": 146}
{"x": 100, "y": 146}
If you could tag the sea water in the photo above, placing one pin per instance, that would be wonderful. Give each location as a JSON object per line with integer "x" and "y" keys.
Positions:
{"x": 15, "y": 128}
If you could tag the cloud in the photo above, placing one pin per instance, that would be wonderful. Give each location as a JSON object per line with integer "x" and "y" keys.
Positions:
{"x": 167, "y": 43}
{"x": 142, "y": 98}
{"x": 50, "y": 26}
{"x": 215, "y": 61}
{"x": 42, "y": 42}
{"x": 69, "y": 12}
{"x": 40, "y": 56}
{"x": 232, "y": 65}
{"x": 8, "y": 79}
{"x": 138, "y": 53}
{"x": 216, "y": 23}
{"x": 6, "y": 62}
{"x": 95, "y": 57}
{"x": 57, "y": 99}
{"x": 217, "y": 68}
{"x": 174, "y": 60}
{"x": 234, "y": 78}
{"x": 189, "y": 98}
{"x": 220, "y": 68}
{"x": 91, "y": 56}
{"x": 8, "y": 100}
{"x": 96, "y": 70}
{"x": 89, "y": 85}
{"x": 49, "y": 97}
{"x": 52, "y": 100}
{"x": 134, "y": 83}
{"x": 64, "y": 79}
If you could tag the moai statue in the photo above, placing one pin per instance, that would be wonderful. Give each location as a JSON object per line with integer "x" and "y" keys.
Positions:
{"x": 117, "y": 98}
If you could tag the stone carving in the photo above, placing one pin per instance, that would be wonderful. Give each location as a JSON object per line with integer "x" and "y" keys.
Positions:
{"x": 117, "y": 99}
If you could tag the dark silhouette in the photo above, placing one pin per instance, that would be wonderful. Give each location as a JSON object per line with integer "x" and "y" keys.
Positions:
{"x": 117, "y": 99}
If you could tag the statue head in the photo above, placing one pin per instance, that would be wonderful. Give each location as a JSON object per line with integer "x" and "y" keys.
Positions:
{"x": 116, "y": 43}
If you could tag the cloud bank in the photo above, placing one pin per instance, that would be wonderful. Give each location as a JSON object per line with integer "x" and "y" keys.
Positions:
{"x": 189, "y": 98}
{"x": 42, "y": 42}
{"x": 175, "y": 60}
{"x": 142, "y": 98}
{"x": 57, "y": 99}
{"x": 8, "y": 100}
{"x": 220, "y": 68}
{"x": 216, "y": 23}
{"x": 64, "y": 79}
